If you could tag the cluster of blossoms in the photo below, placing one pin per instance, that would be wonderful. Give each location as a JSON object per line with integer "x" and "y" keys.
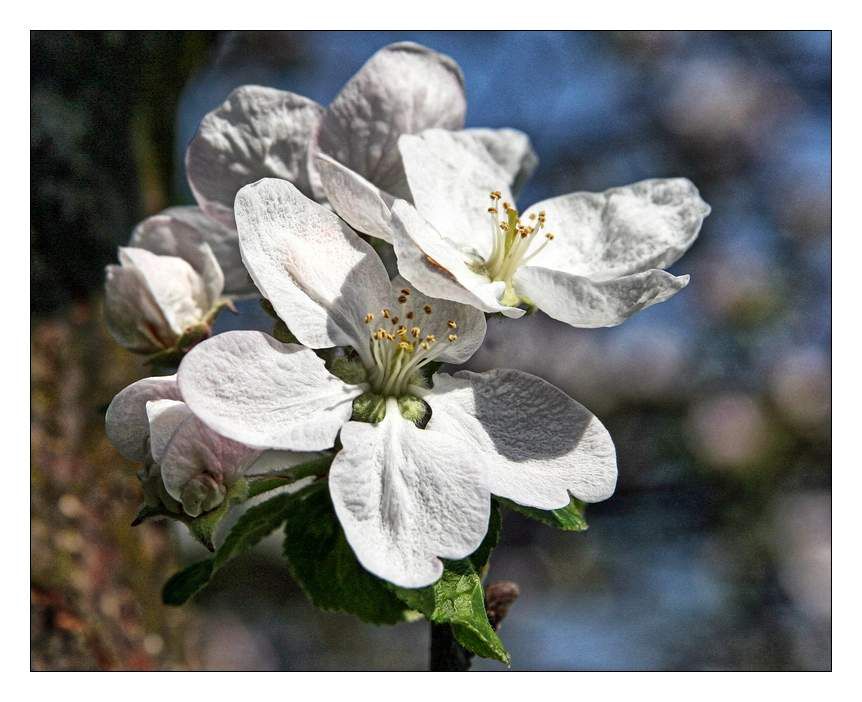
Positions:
{"x": 291, "y": 198}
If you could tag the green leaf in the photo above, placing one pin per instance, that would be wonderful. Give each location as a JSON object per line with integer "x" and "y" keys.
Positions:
{"x": 322, "y": 562}
{"x": 188, "y": 582}
{"x": 482, "y": 555}
{"x": 458, "y": 598}
{"x": 568, "y": 518}
{"x": 250, "y": 528}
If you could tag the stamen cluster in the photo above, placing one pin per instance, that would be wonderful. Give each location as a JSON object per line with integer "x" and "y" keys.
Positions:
{"x": 512, "y": 240}
{"x": 400, "y": 345}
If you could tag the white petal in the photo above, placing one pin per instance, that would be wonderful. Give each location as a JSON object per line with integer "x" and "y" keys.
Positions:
{"x": 126, "y": 422}
{"x": 179, "y": 231}
{"x": 195, "y": 449}
{"x": 407, "y": 497}
{"x": 132, "y": 315}
{"x": 320, "y": 277}
{"x": 470, "y": 325}
{"x": 624, "y": 230}
{"x": 451, "y": 176}
{"x": 164, "y": 417}
{"x": 436, "y": 267}
{"x": 361, "y": 204}
{"x": 581, "y": 302}
{"x": 403, "y": 89}
{"x": 256, "y": 133}
{"x": 251, "y": 388}
{"x": 512, "y": 151}
{"x": 176, "y": 287}
{"x": 537, "y": 444}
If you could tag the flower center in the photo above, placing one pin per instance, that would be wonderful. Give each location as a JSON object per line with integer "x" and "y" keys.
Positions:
{"x": 512, "y": 243}
{"x": 402, "y": 343}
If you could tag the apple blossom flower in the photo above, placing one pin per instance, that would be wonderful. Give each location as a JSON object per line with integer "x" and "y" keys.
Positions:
{"x": 152, "y": 302}
{"x": 264, "y": 132}
{"x": 587, "y": 259}
{"x": 406, "y": 496}
{"x": 187, "y": 468}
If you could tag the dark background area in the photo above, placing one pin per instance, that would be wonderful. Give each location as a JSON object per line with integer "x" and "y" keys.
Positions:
{"x": 715, "y": 552}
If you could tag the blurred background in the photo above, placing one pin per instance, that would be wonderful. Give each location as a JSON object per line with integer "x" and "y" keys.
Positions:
{"x": 715, "y": 552}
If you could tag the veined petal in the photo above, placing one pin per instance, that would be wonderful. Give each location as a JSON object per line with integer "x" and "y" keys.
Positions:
{"x": 402, "y": 89}
{"x": 537, "y": 444}
{"x": 451, "y": 175}
{"x": 624, "y": 230}
{"x": 437, "y": 268}
{"x": 126, "y": 422}
{"x": 256, "y": 133}
{"x": 581, "y": 302}
{"x": 194, "y": 450}
{"x": 179, "y": 231}
{"x": 512, "y": 151}
{"x": 320, "y": 277}
{"x": 251, "y": 388}
{"x": 164, "y": 417}
{"x": 358, "y": 202}
{"x": 132, "y": 315}
{"x": 407, "y": 497}
{"x": 469, "y": 323}
{"x": 176, "y": 287}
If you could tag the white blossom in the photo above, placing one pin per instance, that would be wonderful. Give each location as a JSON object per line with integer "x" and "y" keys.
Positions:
{"x": 405, "y": 496}
{"x": 587, "y": 259}
{"x": 152, "y": 300}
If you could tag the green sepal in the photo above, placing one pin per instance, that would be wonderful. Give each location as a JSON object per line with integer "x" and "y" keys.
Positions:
{"x": 267, "y": 307}
{"x": 282, "y": 333}
{"x": 480, "y": 557}
{"x": 369, "y": 407}
{"x": 322, "y": 562}
{"x": 568, "y": 518}
{"x": 349, "y": 370}
{"x": 203, "y": 528}
{"x": 147, "y": 512}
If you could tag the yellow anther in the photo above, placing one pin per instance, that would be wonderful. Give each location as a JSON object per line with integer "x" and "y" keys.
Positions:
{"x": 452, "y": 324}
{"x": 369, "y": 317}
{"x": 430, "y": 338}
{"x": 402, "y": 332}
{"x": 385, "y": 313}
{"x": 415, "y": 332}
{"x": 452, "y": 337}
{"x": 493, "y": 210}
{"x": 424, "y": 345}
{"x": 406, "y": 346}
{"x": 549, "y": 236}
{"x": 427, "y": 309}
{"x": 395, "y": 320}
{"x": 496, "y": 195}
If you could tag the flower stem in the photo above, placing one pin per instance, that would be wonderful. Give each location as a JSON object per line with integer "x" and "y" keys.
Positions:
{"x": 446, "y": 653}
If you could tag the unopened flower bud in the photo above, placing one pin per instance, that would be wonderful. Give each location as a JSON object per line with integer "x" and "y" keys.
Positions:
{"x": 152, "y": 302}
